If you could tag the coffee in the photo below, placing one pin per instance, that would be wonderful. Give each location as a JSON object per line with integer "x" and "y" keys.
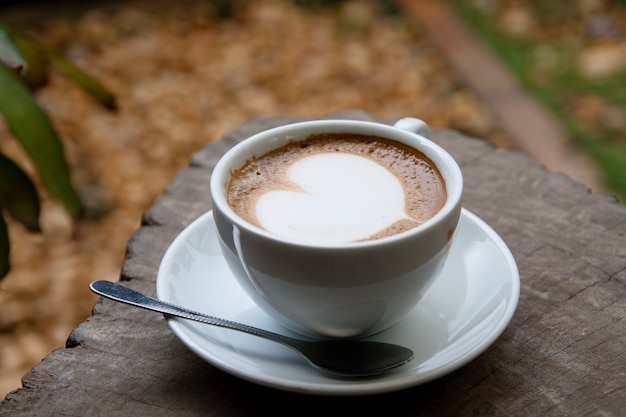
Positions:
{"x": 338, "y": 188}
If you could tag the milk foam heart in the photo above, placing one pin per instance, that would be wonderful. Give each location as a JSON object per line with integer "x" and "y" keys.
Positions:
{"x": 340, "y": 198}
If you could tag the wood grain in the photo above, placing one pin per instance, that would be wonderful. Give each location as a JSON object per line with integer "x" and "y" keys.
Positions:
{"x": 562, "y": 354}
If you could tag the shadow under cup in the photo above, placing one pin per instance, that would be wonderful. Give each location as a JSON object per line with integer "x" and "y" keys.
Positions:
{"x": 335, "y": 290}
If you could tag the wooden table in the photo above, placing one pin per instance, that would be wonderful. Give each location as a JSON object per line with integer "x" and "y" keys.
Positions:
{"x": 562, "y": 354}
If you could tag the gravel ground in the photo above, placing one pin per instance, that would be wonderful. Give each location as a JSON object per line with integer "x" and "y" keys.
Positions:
{"x": 184, "y": 77}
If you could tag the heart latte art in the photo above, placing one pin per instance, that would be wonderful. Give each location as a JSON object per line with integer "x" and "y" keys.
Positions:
{"x": 339, "y": 198}
{"x": 337, "y": 188}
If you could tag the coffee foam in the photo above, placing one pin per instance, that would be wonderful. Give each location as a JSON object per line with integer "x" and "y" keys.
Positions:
{"x": 337, "y": 188}
{"x": 340, "y": 198}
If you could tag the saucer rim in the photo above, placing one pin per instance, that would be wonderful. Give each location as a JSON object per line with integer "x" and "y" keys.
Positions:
{"x": 351, "y": 387}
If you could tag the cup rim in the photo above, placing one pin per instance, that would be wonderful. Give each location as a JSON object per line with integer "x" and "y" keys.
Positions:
{"x": 275, "y": 137}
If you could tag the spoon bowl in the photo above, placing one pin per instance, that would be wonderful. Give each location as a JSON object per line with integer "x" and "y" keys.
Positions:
{"x": 348, "y": 358}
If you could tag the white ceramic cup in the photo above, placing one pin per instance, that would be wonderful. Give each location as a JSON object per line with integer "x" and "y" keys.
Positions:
{"x": 336, "y": 290}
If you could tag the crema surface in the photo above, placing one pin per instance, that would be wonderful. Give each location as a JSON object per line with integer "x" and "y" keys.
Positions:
{"x": 338, "y": 188}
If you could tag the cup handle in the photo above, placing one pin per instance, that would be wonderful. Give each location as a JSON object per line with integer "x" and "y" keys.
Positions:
{"x": 413, "y": 125}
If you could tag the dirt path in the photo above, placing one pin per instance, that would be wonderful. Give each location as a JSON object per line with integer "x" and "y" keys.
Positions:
{"x": 529, "y": 126}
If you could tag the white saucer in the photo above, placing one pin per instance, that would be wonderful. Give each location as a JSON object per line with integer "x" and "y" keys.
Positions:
{"x": 465, "y": 311}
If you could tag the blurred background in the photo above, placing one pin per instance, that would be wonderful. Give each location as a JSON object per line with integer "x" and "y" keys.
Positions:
{"x": 186, "y": 72}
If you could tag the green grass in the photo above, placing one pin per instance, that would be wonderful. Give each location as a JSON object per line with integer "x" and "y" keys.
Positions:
{"x": 557, "y": 84}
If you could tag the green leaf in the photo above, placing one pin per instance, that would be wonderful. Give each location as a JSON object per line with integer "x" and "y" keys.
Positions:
{"x": 32, "y": 128}
{"x": 83, "y": 80}
{"x": 90, "y": 85}
{"x": 18, "y": 194}
{"x": 9, "y": 51}
{"x": 5, "y": 248}
{"x": 36, "y": 74}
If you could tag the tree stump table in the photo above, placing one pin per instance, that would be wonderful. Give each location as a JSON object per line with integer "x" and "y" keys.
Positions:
{"x": 562, "y": 353}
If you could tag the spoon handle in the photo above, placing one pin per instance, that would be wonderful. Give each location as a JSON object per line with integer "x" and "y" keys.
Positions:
{"x": 117, "y": 292}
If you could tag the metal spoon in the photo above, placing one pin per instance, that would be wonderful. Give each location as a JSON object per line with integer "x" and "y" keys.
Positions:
{"x": 342, "y": 357}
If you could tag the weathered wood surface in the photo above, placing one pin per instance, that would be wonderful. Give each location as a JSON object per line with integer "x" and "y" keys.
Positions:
{"x": 562, "y": 354}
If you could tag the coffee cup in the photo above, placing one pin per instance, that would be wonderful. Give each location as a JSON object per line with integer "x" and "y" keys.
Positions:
{"x": 328, "y": 242}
